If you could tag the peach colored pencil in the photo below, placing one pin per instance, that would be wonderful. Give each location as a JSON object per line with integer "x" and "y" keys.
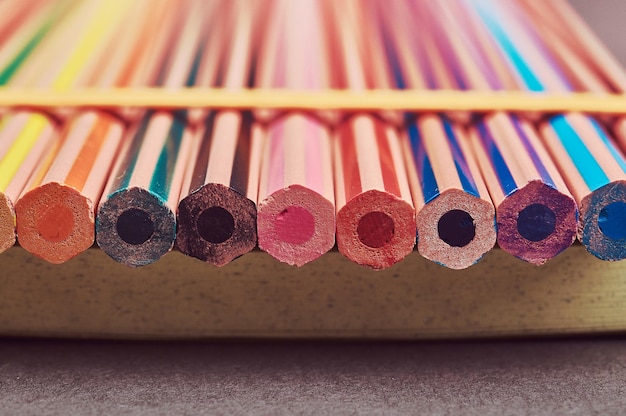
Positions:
{"x": 136, "y": 222}
{"x": 591, "y": 164}
{"x": 217, "y": 213}
{"x": 68, "y": 188}
{"x": 296, "y": 212}
{"x": 375, "y": 214}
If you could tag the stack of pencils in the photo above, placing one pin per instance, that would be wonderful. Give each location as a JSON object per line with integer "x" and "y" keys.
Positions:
{"x": 215, "y": 182}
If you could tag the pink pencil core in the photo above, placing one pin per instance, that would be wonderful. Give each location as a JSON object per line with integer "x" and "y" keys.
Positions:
{"x": 294, "y": 225}
{"x": 56, "y": 224}
{"x": 375, "y": 229}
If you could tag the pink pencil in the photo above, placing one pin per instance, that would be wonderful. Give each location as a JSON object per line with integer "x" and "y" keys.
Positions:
{"x": 296, "y": 212}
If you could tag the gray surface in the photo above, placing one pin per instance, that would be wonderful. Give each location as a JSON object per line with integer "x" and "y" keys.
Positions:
{"x": 503, "y": 377}
{"x": 471, "y": 378}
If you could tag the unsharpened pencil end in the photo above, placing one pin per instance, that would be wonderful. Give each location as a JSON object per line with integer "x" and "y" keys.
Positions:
{"x": 603, "y": 222}
{"x": 135, "y": 228}
{"x": 456, "y": 229}
{"x": 537, "y": 222}
{"x": 55, "y": 223}
{"x": 376, "y": 229}
{"x": 296, "y": 225}
{"x": 216, "y": 224}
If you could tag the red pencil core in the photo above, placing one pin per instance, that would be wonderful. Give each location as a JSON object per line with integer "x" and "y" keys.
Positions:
{"x": 375, "y": 229}
{"x": 294, "y": 225}
{"x": 56, "y": 223}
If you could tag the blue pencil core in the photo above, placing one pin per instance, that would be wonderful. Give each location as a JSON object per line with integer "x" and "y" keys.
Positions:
{"x": 612, "y": 220}
{"x": 536, "y": 222}
{"x": 456, "y": 228}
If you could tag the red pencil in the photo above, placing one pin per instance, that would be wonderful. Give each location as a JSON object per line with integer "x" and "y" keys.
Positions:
{"x": 375, "y": 214}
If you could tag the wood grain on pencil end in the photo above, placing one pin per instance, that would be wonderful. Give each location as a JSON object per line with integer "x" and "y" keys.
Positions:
{"x": 536, "y": 222}
{"x": 55, "y": 222}
{"x": 603, "y": 221}
{"x": 7, "y": 223}
{"x": 216, "y": 224}
{"x": 296, "y": 225}
{"x": 134, "y": 227}
{"x": 376, "y": 229}
{"x": 456, "y": 229}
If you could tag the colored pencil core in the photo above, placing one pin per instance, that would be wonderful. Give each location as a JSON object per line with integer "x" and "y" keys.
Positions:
{"x": 612, "y": 220}
{"x": 215, "y": 225}
{"x": 294, "y": 225}
{"x": 135, "y": 226}
{"x": 536, "y": 222}
{"x": 55, "y": 224}
{"x": 221, "y": 232}
{"x": 456, "y": 228}
{"x": 375, "y": 229}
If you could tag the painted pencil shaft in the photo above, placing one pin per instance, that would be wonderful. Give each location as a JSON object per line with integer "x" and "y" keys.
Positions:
{"x": 28, "y": 137}
{"x": 296, "y": 213}
{"x": 455, "y": 217}
{"x": 136, "y": 222}
{"x": 12, "y": 127}
{"x": 595, "y": 171}
{"x": 217, "y": 216}
{"x": 375, "y": 214}
{"x": 535, "y": 214}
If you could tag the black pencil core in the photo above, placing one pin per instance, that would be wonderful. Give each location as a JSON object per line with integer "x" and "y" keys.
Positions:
{"x": 215, "y": 225}
{"x": 456, "y": 228}
{"x": 612, "y": 221}
{"x": 536, "y": 222}
{"x": 135, "y": 226}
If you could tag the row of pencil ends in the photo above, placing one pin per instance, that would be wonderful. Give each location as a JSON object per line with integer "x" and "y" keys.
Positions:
{"x": 217, "y": 187}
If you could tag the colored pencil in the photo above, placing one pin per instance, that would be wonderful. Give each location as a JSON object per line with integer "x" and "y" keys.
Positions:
{"x": 375, "y": 214}
{"x": 536, "y": 215}
{"x": 296, "y": 211}
{"x": 590, "y": 162}
{"x": 26, "y": 137}
{"x": 17, "y": 162}
{"x": 454, "y": 215}
{"x": 136, "y": 222}
{"x": 217, "y": 214}
{"x": 68, "y": 188}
